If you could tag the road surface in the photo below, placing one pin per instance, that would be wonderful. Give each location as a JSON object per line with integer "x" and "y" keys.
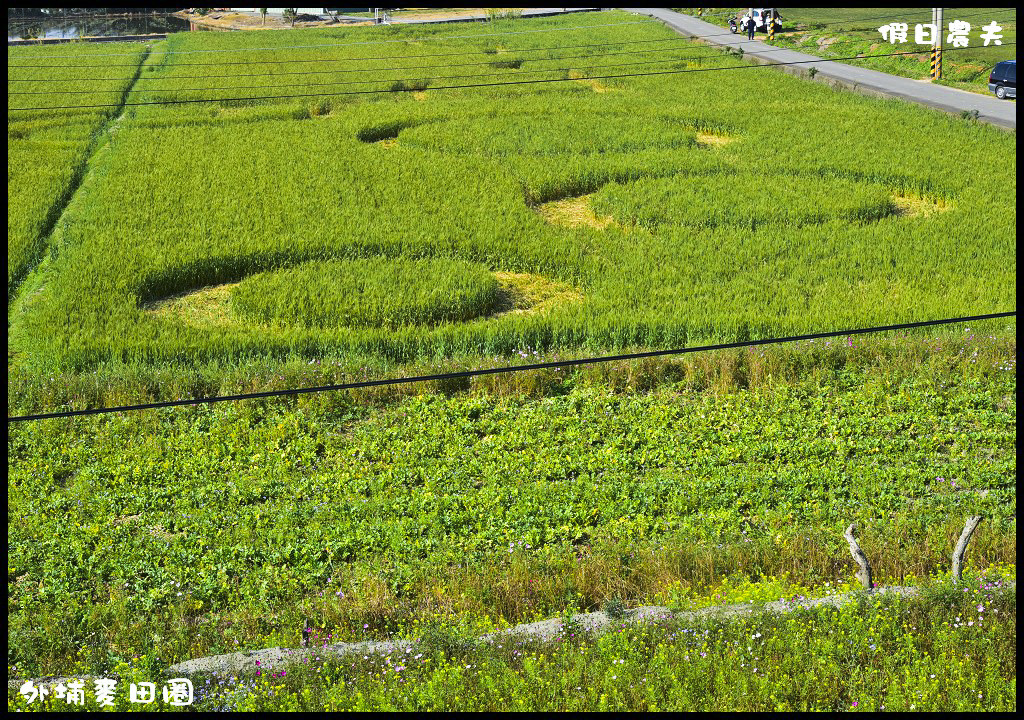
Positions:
{"x": 1002, "y": 113}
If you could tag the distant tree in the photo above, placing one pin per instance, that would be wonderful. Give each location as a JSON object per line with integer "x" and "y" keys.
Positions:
{"x": 290, "y": 15}
{"x": 263, "y": 12}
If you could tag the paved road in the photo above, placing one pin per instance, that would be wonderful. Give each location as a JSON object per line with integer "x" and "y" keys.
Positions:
{"x": 870, "y": 82}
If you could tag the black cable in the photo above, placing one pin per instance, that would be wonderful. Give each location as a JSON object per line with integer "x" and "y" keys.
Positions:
{"x": 380, "y": 57}
{"x": 472, "y": 85}
{"x": 359, "y": 59}
{"x": 362, "y": 82}
{"x": 402, "y": 57}
{"x": 366, "y": 42}
{"x": 510, "y": 369}
{"x": 353, "y": 70}
{"x": 358, "y": 82}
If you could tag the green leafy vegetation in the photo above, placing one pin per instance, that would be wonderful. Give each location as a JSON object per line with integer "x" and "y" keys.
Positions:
{"x": 853, "y": 32}
{"x": 504, "y": 508}
{"x": 878, "y": 655}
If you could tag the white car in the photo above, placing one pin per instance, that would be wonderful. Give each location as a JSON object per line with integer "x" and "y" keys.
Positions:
{"x": 761, "y": 17}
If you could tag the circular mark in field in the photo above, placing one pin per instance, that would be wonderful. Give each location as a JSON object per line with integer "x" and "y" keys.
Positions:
{"x": 744, "y": 200}
{"x": 368, "y": 292}
{"x": 543, "y": 134}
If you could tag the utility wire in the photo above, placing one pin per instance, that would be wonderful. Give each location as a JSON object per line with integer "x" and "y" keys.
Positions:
{"x": 386, "y": 57}
{"x": 424, "y": 39}
{"x": 379, "y": 79}
{"x": 510, "y": 369}
{"x": 471, "y": 85}
{"x": 360, "y": 82}
{"x": 393, "y": 57}
{"x": 357, "y": 70}
{"x": 360, "y": 59}
{"x": 367, "y": 42}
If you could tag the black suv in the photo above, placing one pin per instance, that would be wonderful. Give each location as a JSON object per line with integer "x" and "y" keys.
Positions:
{"x": 1003, "y": 80}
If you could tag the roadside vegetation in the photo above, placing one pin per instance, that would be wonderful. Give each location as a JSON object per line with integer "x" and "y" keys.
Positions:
{"x": 367, "y": 516}
{"x": 851, "y": 32}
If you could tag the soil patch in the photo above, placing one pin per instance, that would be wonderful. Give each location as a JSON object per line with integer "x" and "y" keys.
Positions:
{"x": 597, "y": 86}
{"x": 574, "y": 212}
{"x": 824, "y": 42}
{"x": 709, "y": 140}
{"x": 526, "y": 294}
{"x": 912, "y": 206}
{"x": 205, "y": 307}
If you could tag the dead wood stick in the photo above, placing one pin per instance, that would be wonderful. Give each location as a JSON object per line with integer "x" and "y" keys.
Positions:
{"x": 864, "y": 571}
{"x": 961, "y": 548}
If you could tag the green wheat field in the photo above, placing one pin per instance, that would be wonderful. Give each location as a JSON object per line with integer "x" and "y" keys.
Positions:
{"x": 218, "y": 213}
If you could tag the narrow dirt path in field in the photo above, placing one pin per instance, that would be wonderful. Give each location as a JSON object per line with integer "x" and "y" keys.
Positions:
{"x": 78, "y": 175}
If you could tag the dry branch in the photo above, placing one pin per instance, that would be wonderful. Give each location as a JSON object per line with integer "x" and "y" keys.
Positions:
{"x": 961, "y": 547}
{"x": 864, "y": 572}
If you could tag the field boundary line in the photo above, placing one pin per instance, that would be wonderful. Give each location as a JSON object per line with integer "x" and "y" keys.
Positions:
{"x": 513, "y": 368}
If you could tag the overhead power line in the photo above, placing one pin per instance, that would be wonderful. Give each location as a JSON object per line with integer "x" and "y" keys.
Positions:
{"x": 400, "y": 57}
{"x": 505, "y": 73}
{"x": 510, "y": 369}
{"x": 427, "y": 39}
{"x": 360, "y": 59}
{"x": 470, "y": 85}
{"x": 356, "y": 70}
{"x": 367, "y": 42}
{"x": 715, "y": 54}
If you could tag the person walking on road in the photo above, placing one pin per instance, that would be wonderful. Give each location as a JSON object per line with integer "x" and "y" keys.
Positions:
{"x": 750, "y": 26}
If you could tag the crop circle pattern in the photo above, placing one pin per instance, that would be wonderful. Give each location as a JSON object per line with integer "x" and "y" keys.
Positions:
{"x": 743, "y": 200}
{"x": 342, "y": 293}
